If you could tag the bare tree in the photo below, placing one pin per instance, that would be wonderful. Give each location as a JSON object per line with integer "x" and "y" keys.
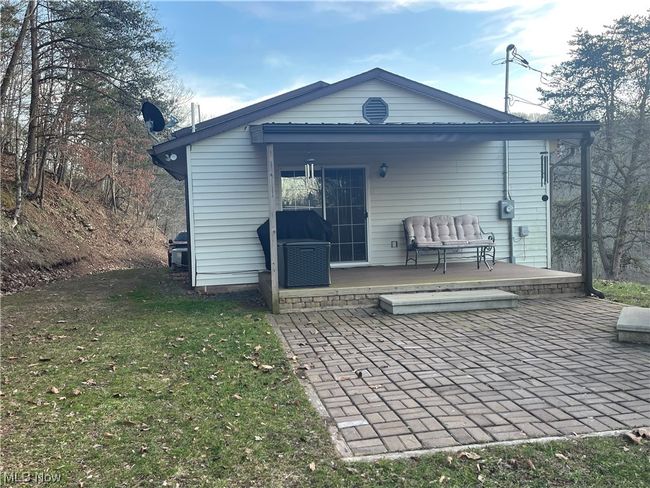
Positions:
{"x": 608, "y": 78}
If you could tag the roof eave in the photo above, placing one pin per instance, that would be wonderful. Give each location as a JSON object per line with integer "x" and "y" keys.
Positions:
{"x": 413, "y": 133}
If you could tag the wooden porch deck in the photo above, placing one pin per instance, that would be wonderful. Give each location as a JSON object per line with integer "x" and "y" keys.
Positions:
{"x": 353, "y": 287}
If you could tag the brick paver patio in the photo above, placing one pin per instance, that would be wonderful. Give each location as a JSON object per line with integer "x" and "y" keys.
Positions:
{"x": 410, "y": 382}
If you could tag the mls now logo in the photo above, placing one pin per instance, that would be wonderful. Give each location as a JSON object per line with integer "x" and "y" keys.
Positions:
{"x": 37, "y": 477}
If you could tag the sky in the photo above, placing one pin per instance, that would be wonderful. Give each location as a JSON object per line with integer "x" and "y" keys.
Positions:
{"x": 232, "y": 54}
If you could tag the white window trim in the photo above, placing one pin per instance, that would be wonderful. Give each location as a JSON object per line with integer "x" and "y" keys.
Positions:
{"x": 366, "y": 168}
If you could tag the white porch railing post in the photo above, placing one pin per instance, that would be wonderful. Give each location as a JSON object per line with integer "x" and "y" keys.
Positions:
{"x": 273, "y": 230}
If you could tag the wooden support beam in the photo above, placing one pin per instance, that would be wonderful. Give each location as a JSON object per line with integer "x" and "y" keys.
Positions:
{"x": 273, "y": 230}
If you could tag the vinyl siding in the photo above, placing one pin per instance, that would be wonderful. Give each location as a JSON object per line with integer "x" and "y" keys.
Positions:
{"x": 345, "y": 107}
{"x": 229, "y": 193}
{"x": 443, "y": 179}
{"x": 530, "y": 210}
{"x": 229, "y": 202}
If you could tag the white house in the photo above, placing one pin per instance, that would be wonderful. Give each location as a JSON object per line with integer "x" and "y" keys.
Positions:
{"x": 397, "y": 147}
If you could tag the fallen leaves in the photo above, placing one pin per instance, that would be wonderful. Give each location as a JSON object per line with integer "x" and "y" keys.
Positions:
{"x": 345, "y": 378}
{"x": 561, "y": 456}
{"x": 312, "y": 466}
{"x": 214, "y": 375}
{"x": 54, "y": 390}
{"x": 469, "y": 455}
{"x": 637, "y": 436}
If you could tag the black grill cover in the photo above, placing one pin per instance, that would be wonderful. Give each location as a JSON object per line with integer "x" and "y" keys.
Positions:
{"x": 294, "y": 224}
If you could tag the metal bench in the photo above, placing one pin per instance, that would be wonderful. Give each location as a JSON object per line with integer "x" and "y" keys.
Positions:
{"x": 443, "y": 233}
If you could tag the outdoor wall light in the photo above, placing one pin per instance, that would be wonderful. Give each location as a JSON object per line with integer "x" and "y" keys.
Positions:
{"x": 383, "y": 169}
{"x": 309, "y": 168}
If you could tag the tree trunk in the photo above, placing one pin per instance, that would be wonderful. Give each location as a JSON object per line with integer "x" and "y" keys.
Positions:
{"x": 71, "y": 176}
{"x": 112, "y": 182}
{"x": 620, "y": 242}
{"x": 33, "y": 104}
{"x": 40, "y": 186}
{"x": 15, "y": 54}
{"x": 19, "y": 194}
{"x": 20, "y": 183}
{"x": 601, "y": 188}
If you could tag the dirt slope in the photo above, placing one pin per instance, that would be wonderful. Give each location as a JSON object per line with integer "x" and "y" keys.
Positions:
{"x": 71, "y": 236}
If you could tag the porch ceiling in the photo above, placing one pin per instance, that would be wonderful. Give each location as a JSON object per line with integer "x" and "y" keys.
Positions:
{"x": 420, "y": 132}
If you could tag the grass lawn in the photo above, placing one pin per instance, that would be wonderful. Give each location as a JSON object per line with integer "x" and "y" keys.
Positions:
{"x": 125, "y": 379}
{"x": 625, "y": 292}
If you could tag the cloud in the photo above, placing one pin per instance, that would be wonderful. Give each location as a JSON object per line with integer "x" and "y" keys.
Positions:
{"x": 277, "y": 60}
{"x": 354, "y": 11}
{"x": 541, "y": 29}
{"x": 378, "y": 58}
{"x": 213, "y": 106}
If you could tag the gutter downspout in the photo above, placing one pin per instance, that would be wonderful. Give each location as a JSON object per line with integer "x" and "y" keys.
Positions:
{"x": 585, "y": 193}
{"x": 547, "y": 206}
{"x": 506, "y": 196}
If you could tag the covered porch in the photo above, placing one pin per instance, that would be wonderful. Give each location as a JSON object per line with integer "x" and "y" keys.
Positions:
{"x": 361, "y": 287}
{"x": 433, "y": 169}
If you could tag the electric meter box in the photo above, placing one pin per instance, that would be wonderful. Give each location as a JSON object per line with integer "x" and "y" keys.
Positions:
{"x": 506, "y": 209}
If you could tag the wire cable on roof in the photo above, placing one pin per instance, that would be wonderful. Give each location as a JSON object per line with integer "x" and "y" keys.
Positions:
{"x": 517, "y": 58}
{"x": 516, "y": 98}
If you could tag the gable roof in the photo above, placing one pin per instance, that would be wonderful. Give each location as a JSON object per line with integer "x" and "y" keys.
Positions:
{"x": 314, "y": 91}
{"x": 251, "y": 109}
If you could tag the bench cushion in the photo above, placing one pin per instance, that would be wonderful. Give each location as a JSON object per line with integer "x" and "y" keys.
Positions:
{"x": 467, "y": 227}
{"x": 418, "y": 229}
{"x": 443, "y": 228}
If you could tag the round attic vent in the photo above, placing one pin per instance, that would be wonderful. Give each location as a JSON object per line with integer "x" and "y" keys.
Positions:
{"x": 375, "y": 110}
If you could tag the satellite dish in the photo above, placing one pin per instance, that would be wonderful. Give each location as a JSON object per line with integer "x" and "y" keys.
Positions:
{"x": 153, "y": 117}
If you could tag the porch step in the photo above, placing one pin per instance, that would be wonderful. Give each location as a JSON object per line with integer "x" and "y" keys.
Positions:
{"x": 634, "y": 325}
{"x": 447, "y": 301}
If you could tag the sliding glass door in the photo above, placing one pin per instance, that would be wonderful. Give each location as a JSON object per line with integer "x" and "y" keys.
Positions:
{"x": 339, "y": 195}
{"x": 345, "y": 209}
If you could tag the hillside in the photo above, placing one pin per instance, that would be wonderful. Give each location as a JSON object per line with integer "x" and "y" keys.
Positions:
{"x": 71, "y": 235}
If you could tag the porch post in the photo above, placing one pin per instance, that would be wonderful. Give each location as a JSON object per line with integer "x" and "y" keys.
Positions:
{"x": 273, "y": 231}
{"x": 587, "y": 232}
